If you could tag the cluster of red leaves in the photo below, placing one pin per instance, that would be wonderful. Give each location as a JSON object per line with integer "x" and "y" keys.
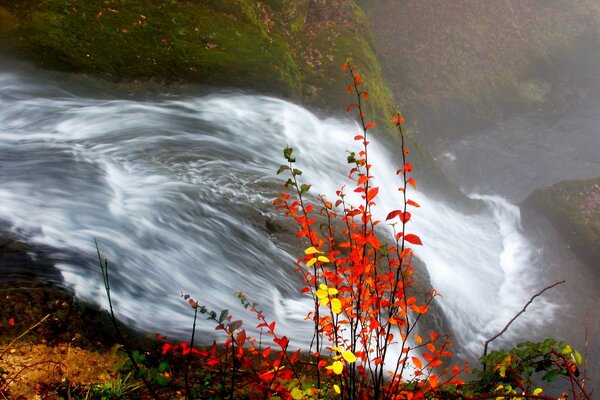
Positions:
{"x": 361, "y": 284}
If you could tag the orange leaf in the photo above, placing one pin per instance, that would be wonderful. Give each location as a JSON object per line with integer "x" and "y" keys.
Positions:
{"x": 417, "y": 362}
{"x": 414, "y": 239}
{"x": 412, "y": 182}
{"x": 435, "y": 363}
{"x": 433, "y": 381}
{"x": 413, "y": 203}
{"x": 349, "y": 89}
{"x": 370, "y": 125}
{"x": 419, "y": 339}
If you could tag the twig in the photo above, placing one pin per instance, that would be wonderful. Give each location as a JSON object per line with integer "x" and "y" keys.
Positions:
{"x": 56, "y": 363}
{"x": 487, "y": 342}
{"x": 189, "y": 357}
{"x": 23, "y": 334}
{"x": 585, "y": 353}
{"x": 104, "y": 268}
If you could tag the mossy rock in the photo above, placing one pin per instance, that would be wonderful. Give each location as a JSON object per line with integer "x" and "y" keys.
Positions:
{"x": 221, "y": 45}
{"x": 573, "y": 207}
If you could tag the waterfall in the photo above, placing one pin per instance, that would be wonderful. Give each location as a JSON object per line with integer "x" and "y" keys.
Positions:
{"x": 178, "y": 189}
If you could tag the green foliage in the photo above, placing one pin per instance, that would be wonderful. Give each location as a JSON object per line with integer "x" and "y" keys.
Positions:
{"x": 523, "y": 368}
{"x": 117, "y": 388}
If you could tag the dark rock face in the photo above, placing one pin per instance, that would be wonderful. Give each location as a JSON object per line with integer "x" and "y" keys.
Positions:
{"x": 20, "y": 263}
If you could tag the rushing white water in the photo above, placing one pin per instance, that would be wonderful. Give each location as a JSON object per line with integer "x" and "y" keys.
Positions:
{"x": 178, "y": 191}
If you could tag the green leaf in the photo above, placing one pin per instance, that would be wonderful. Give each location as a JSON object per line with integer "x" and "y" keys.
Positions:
{"x": 160, "y": 380}
{"x": 296, "y": 172}
{"x": 287, "y": 153}
{"x": 282, "y": 168}
{"x": 163, "y": 367}
{"x": 305, "y": 187}
{"x": 351, "y": 158}
{"x": 550, "y": 375}
{"x": 578, "y": 358}
{"x": 223, "y": 315}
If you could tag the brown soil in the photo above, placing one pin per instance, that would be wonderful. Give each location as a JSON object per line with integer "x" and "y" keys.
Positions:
{"x": 33, "y": 371}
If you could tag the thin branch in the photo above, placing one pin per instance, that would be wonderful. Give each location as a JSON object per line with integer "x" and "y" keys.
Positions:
{"x": 23, "y": 334}
{"x": 487, "y": 342}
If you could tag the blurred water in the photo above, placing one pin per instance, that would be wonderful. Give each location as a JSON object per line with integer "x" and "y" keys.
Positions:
{"x": 178, "y": 193}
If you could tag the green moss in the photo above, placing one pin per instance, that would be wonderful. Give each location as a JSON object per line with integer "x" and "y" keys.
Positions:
{"x": 574, "y": 208}
{"x": 169, "y": 41}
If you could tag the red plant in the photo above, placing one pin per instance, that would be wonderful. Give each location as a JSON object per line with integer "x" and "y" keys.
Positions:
{"x": 361, "y": 285}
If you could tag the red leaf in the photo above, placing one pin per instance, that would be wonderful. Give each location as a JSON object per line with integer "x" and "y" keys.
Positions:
{"x": 369, "y": 125}
{"x": 362, "y": 179}
{"x": 294, "y": 357}
{"x": 412, "y": 182}
{"x": 282, "y": 342}
{"x": 393, "y": 214}
{"x": 408, "y": 167}
{"x": 404, "y": 217}
{"x": 351, "y": 106}
{"x": 372, "y": 193}
{"x": 266, "y": 352}
{"x": 359, "y": 137}
{"x": 414, "y": 239}
{"x": 241, "y": 338}
{"x": 305, "y": 290}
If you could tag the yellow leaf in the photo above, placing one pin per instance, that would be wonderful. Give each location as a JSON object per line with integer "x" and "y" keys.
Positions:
{"x": 337, "y": 367}
{"x": 349, "y": 356}
{"x": 311, "y": 262}
{"x": 312, "y": 250}
{"x": 537, "y": 391}
{"x": 337, "y": 389}
{"x": 323, "y": 259}
{"x": 336, "y": 306}
{"x": 297, "y": 394}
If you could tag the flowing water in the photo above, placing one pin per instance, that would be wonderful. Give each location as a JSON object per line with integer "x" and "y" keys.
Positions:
{"x": 177, "y": 190}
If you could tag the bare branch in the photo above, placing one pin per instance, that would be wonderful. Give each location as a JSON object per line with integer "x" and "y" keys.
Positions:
{"x": 487, "y": 342}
